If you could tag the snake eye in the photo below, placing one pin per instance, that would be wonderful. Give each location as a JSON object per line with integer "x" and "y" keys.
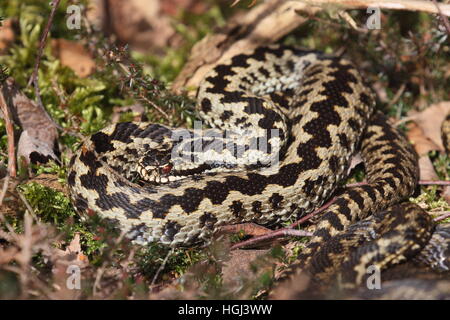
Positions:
{"x": 166, "y": 169}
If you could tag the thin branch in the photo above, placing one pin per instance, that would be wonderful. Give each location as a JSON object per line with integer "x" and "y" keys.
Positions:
{"x": 101, "y": 270}
{"x": 434, "y": 182}
{"x": 154, "y": 105}
{"x": 410, "y": 5}
{"x": 285, "y": 232}
{"x": 34, "y": 79}
{"x": 289, "y": 231}
{"x": 12, "y": 170}
{"x": 396, "y": 97}
{"x": 421, "y": 182}
{"x": 27, "y": 204}
{"x": 54, "y": 4}
{"x": 161, "y": 267}
{"x": 315, "y": 212}
{"x": 4, "y": 189}
{"x": 128, "y": 73}
{"x": 443, "y": 18}
{"x": 444, "y": 215}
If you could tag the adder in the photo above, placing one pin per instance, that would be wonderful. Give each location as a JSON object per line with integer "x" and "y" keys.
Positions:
{"x": 284, "y": 125}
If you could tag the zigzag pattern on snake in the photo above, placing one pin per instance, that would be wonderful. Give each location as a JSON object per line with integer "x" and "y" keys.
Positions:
{"x": 323, "y": 113}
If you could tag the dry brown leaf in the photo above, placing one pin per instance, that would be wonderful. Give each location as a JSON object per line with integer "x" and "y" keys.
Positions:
{"x": 239, "y": 266}
{"x": 427, "y": 171}
{"x": 422, "y": 144}
{"x": 430, "y": 121}
{"x": 7, "y": 34}
{"x": 38, "y": 141}
{"x": 73, "y": 55}
{"x": 73, "y": 254}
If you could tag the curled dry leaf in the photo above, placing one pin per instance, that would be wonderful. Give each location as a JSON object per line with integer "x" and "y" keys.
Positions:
{"x": 425, "y": 134}
{"x": 430, "y": 122}
{"x": 73, "y": 55}
{"x": 421, "y": 142}
{"x": 37, "y": 142}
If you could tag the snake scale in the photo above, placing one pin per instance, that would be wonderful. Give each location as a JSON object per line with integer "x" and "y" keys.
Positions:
{"x": 314, "y": 112}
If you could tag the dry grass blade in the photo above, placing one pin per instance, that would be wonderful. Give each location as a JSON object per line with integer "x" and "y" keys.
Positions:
{"x": 12, "y": 170}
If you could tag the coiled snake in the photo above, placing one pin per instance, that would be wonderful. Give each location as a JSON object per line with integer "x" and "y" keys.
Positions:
{"x": 313, "y": 112}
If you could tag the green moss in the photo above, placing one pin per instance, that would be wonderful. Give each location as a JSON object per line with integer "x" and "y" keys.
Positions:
{"x": 48, "y": 204}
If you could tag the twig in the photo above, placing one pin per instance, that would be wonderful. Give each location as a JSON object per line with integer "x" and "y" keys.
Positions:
{"x": 12, "y": 170}
{"x": 286, "y": 232}
{"x": 410, "y": 5}
{"x": 237, "y": 1}
{"x": 443, "y": 18}
{"x": 394, "y": 100}
{"x": 434, "y": 182}
{"x": 4, "y": 189}
{"x": 154, "y": 105}
{"x": 444, "y": 215}
{"x": 309, "y": 216}
{"x": 161, "y": 267}
{"x": 35, "y": 75}
{"x": 329, "y": 23}
{"x": 27, "y": 204}
{"x": 272, "y": 235}
{"x": 102, "y": 268}
{"x": 289, "y": 231}
{"x": 421, "y": 182}
{"x": 26, "y": 251}
{"x": 128, "y": 73}
{"x": 54, "y": 4}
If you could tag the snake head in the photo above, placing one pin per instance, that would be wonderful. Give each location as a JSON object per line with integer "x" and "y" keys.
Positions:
{"x": 155, "y": 167}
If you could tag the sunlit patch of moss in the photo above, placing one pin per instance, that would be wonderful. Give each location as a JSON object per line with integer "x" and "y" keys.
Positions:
{"x": 430, "y": 199}
{"x": 54, "y": 207}
{"x": 48, "y": 204}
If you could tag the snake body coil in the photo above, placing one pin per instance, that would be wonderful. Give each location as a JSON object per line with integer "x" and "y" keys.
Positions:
{"x": 322, "y": 113}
